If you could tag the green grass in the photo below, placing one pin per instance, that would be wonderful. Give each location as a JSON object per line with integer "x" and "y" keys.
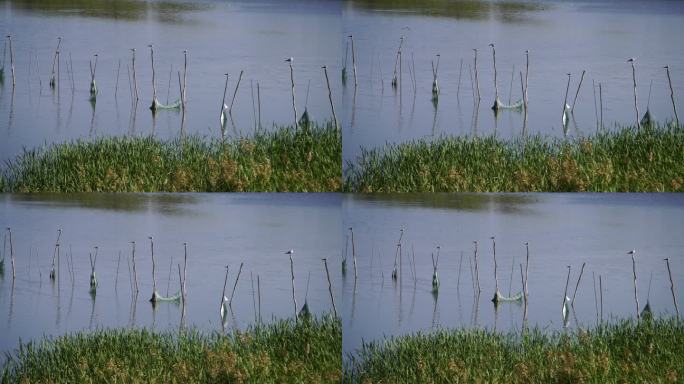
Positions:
{"x": 283, "y": 352}
{"x": 622, "y": 352}
{"x": 285, "y": 159}
{"x": 622, "y": 160}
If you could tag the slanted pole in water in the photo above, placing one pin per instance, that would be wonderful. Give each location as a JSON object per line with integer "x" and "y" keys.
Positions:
{"x": 294, "y": 299}
{"x": 135, "y": 273}
{"x": 458, "y": 88}
{"x": 259, "y": 295}
{"x": 636, "y": 106}
{"x": 116, "y": 87}
{"x": 496, "y": 85}
{"x": 185, "y": 80}
{"x": 636, "y": 297}
{"x": 477, "y": 274}
{"x": 672, "y": 288}
{"x": 153, "y": 107}
{"x": 356, "y": 273}
{"x": 332, "y": 106}
{"x": 674, "y": 106}
{"x": 601, "y": 296}
{"x": 53, "y": 80}
{"x": 185, "y": 268}
{"x": 230, "y": 302}
{"x": 477, "y": 81}
{"x": 565, "y": 296}
{"x": 135, "y": 80}
{"x": 435, "y": 87}
{"x": 564, "y": 117}
{"x": 601, "y": 104}
{"x": 153, "y": 299}
{"x": 258, "y": 112}
{"x": 572, "y": 302}
{"x": 353, "y": 60}
{"x": 527, "y": 269}
{"x": 14, "y": 81}
{"x": 14, "y": 274}
{"x": 332, "y": 298}
{"x": 572, "y": 109}
{"x": 223, "y": 293}
{"x": 223, "y": 102}
{"x": 527, "y": 73}
{"x": 294, "y": 105}
{"x": 237, "y": 86}
{"x": 496, "y": 275}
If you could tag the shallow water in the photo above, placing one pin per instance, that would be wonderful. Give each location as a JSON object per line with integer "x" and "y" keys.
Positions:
{"x": 562, "y": 229}
{"x": 254, "y": 36}
{"x": 562, "y": 37}
{"x": 220, "y": 230}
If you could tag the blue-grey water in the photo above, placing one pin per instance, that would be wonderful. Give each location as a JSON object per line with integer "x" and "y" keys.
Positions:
{"x": 220, "y": 230}
{"x": 562, "y": 37}
{"x": 561, "y": 229}
{"x": 220, "y": 36}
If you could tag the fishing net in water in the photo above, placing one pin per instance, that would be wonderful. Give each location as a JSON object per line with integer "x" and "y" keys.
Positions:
{"x": 498, "y": 297}
{"x": 157, "y": 105}
{"x": 157, "y": 297}
{"x": 517, "y": 106}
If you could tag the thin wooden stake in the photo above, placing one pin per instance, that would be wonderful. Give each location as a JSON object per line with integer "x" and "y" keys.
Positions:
{"x": 251, "y": 278}
{"x": 9, "y": 37}
{"x": 669, "y": 272}
{"x": 185, "y": 268}
{"x": 477, "y": 81}
{"x": 237, "y": 86}
{"x": 601, "y": 104}
{"x": 572, "y": 110}
{"x": 332, "y": 298}
{"x": 636, "y": 106}
{"x": 135, "y": 80}
{"x": 230, "y": 302}
{"x": 527, "y": 73}
{"x": 185, "y": 80}
{"x": 332, "y": 106}
{"x": 153, "y": 299}
{"x": 572, "y": 302}
{"x": 14, "y": 274}
{"x": 356, "y": 274}
{"x": 353, "y": 60}
{"x": 294, "y": 104}
{"x": 564, "y": 117}
{"x": 601, "y": 296}
{"x": 458, "y": 88}
{"x": 674, "y": 106}
{"x": 259, "y": 292}
{"x": 223, "y": 294}
{"x": 636, "y": 298}
{"x": 477, "y": 274}
{"x": 116, "y": 88}
{"x": 135, "y": 273}
{"x": 259, "y": 108}
{"x": 294, "y": 300}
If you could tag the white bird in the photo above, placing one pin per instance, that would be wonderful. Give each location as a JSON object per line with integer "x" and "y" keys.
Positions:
{"x": 565, "y": 114}
{"x": 566, "y": 309}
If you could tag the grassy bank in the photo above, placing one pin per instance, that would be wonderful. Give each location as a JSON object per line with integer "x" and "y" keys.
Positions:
{"x": 623, "y": 160}
{"x": 622, "y": 352}
{"x": 282, "y": 160}
{"x": 282, "y": 352}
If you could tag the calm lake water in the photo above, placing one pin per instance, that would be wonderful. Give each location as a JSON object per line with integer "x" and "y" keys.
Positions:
{"x": 562, "y": 37}
{"x": 221, "y": 37}
{"x": 220, "y": 230}
{"x": 562, "y": 230}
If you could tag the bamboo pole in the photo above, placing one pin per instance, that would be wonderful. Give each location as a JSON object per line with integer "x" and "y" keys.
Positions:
{"x": 572, "y": 302}
{"x": 636, "y": 298}
{"x": 294, "y": 105}
{"x": 564, "y": 117}
{"x": 135, "y": 80}
{"x": 332, "y": 106}
{"x": 356, "y": 274}
{"x": 223, "y": 294}
{"x": 332, "y": 298}
{"x": 496, "y": 85}
{"x": 572, "y": 110}
{"x": 601, "y": 104}
{"x": 294, "y": 300}
{"x": 477, "y": 274}
{"x": 14, "y": 274}
{"x": 458, "y": 88}
{"x": 237, "y": 86}
{"x": 353, "y": 60}
{"x": 674, "y": 106}
{"x": 230, "y": 302}
{"x": 527, "y": 73}
{"x": 9, "y": 37}
{"x": 669, "y": 272}
{"x": 185, "y": 80}
{"x": 135, "y": 273}
{"x": 636, "y": 106}
{"x": 565, "y": 293}
{"x": 185, "y": 268}
{"x": 116, "y": 87}
{"x": 153, "y": 107}
{"x": 477, "y": 81}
